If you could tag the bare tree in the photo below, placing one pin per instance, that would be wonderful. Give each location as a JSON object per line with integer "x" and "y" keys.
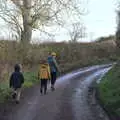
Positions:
{"x": 76, "y": 31}
{"x": 32, "y": 14}
{"x": 11, "y": 16}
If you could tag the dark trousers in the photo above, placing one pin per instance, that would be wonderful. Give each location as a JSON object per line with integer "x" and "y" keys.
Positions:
{"x": 53, "y": 78}
{"x": 43, "y": 83}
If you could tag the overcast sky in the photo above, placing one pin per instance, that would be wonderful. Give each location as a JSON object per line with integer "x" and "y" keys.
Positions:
{"x": 100, "y": 21}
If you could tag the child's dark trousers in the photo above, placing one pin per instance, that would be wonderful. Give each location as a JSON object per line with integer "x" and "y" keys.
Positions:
{"x": 43, "y": 85}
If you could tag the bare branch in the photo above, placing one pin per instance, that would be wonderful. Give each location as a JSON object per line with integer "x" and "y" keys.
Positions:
{"x": 76, "y": 31}
{"x": 36, "y": 13}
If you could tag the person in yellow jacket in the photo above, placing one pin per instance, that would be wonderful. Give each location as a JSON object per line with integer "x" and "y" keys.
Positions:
{"x": 44, "y": 75}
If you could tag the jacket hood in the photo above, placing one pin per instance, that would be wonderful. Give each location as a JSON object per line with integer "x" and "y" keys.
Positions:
{"x": 44, "y": 65}
{"x": 17, "y": 68}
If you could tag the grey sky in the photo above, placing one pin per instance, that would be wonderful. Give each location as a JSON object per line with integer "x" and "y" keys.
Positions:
{"x": 100, "y": 21}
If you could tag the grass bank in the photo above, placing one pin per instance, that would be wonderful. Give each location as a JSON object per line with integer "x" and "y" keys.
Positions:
{"x": 109, "y": 91}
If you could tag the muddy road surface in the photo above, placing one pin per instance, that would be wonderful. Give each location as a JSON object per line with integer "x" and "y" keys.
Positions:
{"x": 68, "y": 102}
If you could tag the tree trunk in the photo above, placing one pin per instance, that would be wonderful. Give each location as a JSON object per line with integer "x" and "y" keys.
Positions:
{"x": 26, "y": 34}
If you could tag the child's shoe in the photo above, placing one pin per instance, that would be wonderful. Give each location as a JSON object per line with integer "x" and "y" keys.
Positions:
{"x": 41, "y": 91}
{"x": 52, "y": 88}
{"x": 17, "y": 101}
{"x": 14, "y": 95}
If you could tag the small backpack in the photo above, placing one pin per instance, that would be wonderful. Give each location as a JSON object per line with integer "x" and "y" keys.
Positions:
{"x": 52, "y": 64}
{"x": 43, "y": 73}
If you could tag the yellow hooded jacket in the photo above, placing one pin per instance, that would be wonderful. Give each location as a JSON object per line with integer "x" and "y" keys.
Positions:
{"x": 44, "y": 71}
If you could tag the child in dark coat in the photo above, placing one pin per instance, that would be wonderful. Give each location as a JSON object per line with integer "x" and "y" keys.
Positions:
{"x": 16, "y": 82}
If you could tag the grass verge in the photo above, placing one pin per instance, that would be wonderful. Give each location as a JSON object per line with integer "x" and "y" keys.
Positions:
{"x": 109, "y": 91}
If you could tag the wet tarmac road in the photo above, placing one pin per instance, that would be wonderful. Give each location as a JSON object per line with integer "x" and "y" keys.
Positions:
{"x": 68, "y": 102}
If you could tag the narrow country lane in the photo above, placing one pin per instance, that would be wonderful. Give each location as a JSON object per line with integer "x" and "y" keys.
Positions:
{"x": 68, "y": 102}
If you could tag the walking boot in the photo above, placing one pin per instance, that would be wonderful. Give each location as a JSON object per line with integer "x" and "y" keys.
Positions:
{"x": 14, "y": 95}
{"x": 41, "y": 91}
{"x": 52, "y": 88}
